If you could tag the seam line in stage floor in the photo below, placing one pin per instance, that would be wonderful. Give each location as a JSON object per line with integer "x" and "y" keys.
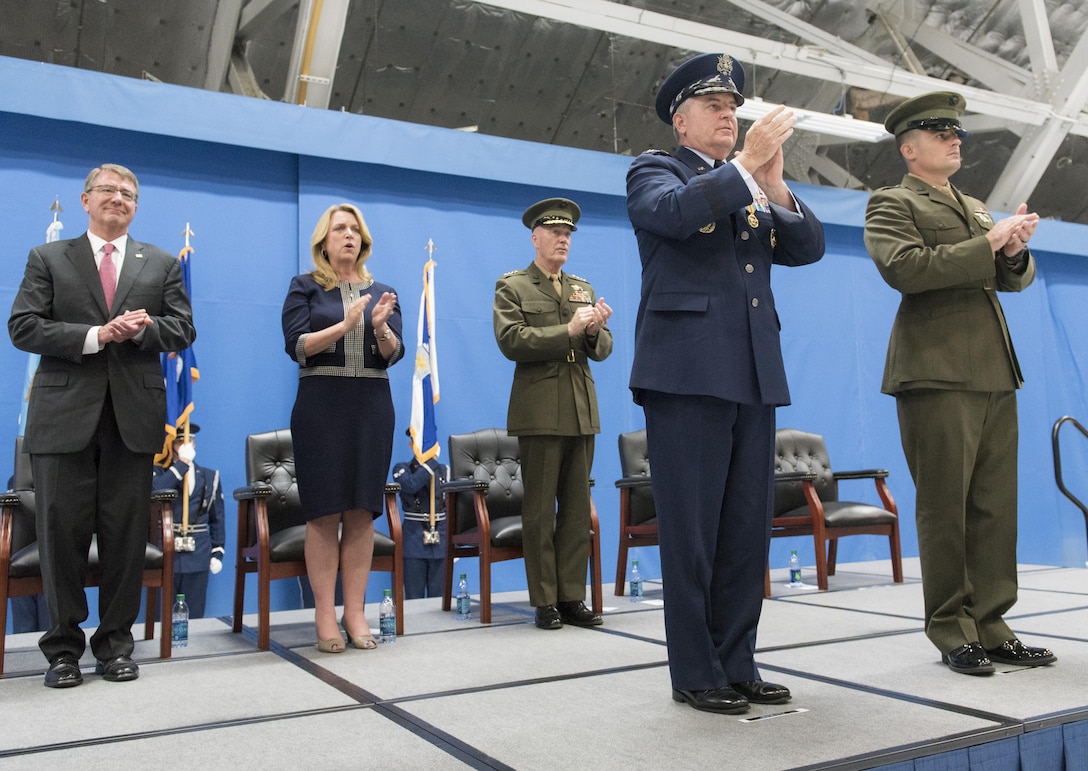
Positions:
{"x": 1003, "y": 725}
{"x": 434, "y": 736}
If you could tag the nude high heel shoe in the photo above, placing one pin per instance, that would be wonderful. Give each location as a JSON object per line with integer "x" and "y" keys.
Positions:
{"x": 362, "y": 642}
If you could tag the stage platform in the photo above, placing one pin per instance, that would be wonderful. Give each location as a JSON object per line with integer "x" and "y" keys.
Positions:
{"x": 868, "y": 691}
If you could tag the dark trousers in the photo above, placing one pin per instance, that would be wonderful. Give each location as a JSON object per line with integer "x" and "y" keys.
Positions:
{"x": 425, "y": 578}
{"x": 712, "y": 463}
{"x": 424, "y": 564}
{"x": 195, "y": 588}
{"x": 29, "y": 614}
{"x": 103, "y": 489}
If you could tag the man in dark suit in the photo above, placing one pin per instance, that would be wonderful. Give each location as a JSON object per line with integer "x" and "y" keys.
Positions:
{"x": 708, "y": 369}
{"x": 97, "y": 408}
{"x": 194, "y": 560}
{"x": 953, "y": 372}
{"x": 550, "y": 323}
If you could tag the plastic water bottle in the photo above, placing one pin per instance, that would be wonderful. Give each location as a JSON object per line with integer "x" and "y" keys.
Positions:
{"x": 464, "y": 603}
{"x": 795, "y": 570}
{"x": 387, "y": 618}
{"x": 636, "y": 582}
{"x": 179, "y": 632}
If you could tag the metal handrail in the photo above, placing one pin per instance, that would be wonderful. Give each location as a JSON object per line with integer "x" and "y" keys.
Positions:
{"x": 1058, "y": 462}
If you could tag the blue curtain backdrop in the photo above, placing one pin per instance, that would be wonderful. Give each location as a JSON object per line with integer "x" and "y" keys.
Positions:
{"x": 252, "y": 177}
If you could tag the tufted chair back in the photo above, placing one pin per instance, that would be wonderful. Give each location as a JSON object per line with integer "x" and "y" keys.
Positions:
{"x": 270, "y": 461}
{"x": 811, "y": 506}
{"x": 634, "y": 462}
{"x": 24, "y": 531}
{"x": 272, "y": 530}
{"x": 801, "y": 451}
{"x": 488, "y": 455}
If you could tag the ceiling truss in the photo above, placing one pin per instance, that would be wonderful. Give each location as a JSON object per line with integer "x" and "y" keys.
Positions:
{"x": 1042, "y": 103}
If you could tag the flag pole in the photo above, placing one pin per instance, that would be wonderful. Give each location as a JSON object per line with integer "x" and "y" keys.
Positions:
{"x": 425, "y": 391}
{"x": 52, "y": 233}
{"x": 187, "y": 541}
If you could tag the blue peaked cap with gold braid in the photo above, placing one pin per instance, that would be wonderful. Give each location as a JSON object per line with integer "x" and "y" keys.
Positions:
{"x": 698, "y": 76}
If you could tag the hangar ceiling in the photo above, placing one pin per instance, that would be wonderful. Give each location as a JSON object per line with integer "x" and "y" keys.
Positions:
{"x": 583, "y": 73}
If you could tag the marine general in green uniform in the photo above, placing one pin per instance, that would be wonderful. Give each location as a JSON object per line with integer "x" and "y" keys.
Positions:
{"x": 551, "y": 325}
{"x": 953, "y": 371}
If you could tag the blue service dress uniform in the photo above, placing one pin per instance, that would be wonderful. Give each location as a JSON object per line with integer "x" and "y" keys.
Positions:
{"x": 424, "y": 563}
{"x": 708, "y": 371}
{"x": 206, "y": 509}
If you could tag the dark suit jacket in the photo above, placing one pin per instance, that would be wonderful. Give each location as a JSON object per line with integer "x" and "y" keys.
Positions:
{"x": 707, "y": 323}
{"x": 59, "y": 300}
{"x": 950, "y": 331}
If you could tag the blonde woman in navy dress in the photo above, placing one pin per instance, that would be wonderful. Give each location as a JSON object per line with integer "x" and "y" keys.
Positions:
{"x": 344, "y": 330}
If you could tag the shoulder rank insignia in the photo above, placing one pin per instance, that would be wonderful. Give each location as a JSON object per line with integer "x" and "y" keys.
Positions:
{"x": 573, "y": 277}
{"x": 512, "y": 273}
{"x": 653, "y": 151}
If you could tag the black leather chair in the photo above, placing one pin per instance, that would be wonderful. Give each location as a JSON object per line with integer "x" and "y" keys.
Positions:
{"x": 272, "y": 530}
{"x": 483, "y": 511}
{"x": 20, "y": 563}
{"x": 811, "y": 506}
{"x": 638, "y": 517}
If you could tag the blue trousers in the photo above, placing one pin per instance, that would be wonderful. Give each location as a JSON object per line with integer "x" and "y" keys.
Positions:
{"x": 712, "y": 464}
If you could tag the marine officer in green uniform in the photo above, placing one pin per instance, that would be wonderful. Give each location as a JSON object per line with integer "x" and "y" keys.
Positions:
{"x": 550, "y": 323}
{"x": 954, "y": 374}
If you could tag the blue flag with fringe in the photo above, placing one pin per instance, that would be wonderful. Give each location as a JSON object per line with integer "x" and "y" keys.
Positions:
{"x": 423, "y": 429}
{"x": 179, "y": 371}
{"x": 52, "y": 233}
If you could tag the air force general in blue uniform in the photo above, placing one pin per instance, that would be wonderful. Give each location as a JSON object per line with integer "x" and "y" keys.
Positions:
{"x": 708, "y": 369}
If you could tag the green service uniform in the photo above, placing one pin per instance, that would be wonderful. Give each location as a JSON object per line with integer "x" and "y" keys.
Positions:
{"x": 553, "y": 412}
{"x": 954, "y": 373}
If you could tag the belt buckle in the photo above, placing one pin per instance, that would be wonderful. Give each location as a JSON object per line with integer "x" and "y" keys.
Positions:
{"x": 570, "y": 356}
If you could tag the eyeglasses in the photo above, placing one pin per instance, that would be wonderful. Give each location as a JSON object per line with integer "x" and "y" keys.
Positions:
{"x": 110, "y": 191}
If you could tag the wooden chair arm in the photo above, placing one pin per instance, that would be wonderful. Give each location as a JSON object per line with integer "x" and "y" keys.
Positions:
{"x": 252, "y": 492}
{"x": 873, "y": 473}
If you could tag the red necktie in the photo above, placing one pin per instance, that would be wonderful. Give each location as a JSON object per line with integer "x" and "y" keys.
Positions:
{"x": 107, "y": 272}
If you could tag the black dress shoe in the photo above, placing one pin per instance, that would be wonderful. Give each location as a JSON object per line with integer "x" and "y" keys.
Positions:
{"x": 63, "y": 672}
{"x": 723, "y": 700}
{"x": 576, "y": 612}
{"x": 118, "y": 669}
{"x": 760, "y": 692}
{"x": 547, "y": 617}
{"x": 1016, "y": 653}
{"x": 969, "y": 659}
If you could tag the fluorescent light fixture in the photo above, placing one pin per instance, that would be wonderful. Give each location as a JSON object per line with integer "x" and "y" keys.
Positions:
{"x": 845, "y": 126}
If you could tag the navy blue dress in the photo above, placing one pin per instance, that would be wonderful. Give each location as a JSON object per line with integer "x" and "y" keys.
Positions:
{"x": 342, "y": 422}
